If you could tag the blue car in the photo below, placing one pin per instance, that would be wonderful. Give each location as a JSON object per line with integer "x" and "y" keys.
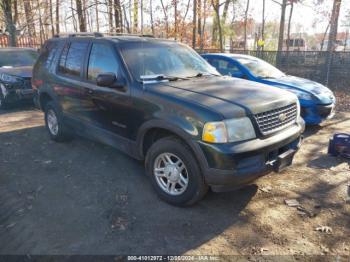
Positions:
{"x": 317, "y": 101}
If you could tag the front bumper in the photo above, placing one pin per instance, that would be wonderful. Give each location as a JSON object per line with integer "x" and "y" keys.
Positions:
{"x": 315, "y": 114}
{"x": 16, "y": 93}
{"x": 232, "y": 166}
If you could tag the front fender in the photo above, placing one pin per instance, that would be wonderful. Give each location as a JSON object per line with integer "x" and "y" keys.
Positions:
{"x": 182, "y": 132}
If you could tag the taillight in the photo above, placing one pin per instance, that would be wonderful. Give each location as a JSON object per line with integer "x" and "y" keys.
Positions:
{"x": 36, "y": 83}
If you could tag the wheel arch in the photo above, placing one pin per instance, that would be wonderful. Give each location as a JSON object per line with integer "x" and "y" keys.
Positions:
{"x": 156, "y": 129}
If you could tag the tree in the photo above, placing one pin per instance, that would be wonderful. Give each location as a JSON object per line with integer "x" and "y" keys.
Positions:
{"x": 245, "y": 25}
{"x": 290, "y": 21}
{"x": 81, "y": 19}
{"x": 6, "y": 7}
{"x": 136, "y": 15}
{"x": 334, "y": 25}
{"x": 282, "y": 24}
{"x": 194, "y": 28}
{"x": 216, "y": 6}
{"x": 263, "y": 24}
{"x": 118, "y": 18}
{"x": 57, "y": 16}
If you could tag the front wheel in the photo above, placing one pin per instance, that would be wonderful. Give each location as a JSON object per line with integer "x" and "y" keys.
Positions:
{"x": 174, "y": 172}
{"x": 54, "y": 124}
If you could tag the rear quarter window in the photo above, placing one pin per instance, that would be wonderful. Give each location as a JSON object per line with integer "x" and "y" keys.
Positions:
{"x": 72, "y": 59}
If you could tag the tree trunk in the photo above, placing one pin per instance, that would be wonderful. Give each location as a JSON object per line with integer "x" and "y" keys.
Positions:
{"x": 175, "y": 18}
{"x": 184, "y": 20}
{"x": 216, "y": 7}
{"x": 57, "y": 16}
{"x": 117, "y": 13}
{"x": 165, "y": 18}
{"x": 29, "y": 19}
{"x": 245, "y": 25}
{"x": 73, "y": 18}
{"x": 203, "y": 25}
{"x": 333, "y": 25}
{"x": 141, "y": 10}
{"x": 51, "y": 18}
{"x": 224, "y": 12}
{"x": 126, "y": 20}
{"x": 263, "y": 24}
{"x": 96, "y": 16}
{"x": 289, "y": 24}
{"x": 282, "y": 23}
{"x": 332, "y": 38}
{"x": 6, "y": 6}
{"x": 194, "y": 29}
{"x": 82, "y": 25}
{"x": 324, "y": 36}
{"x": 15, "y": 10}
{"x": 151, "y": 14}
{"x": 136, "y": 16}
{"x": 110, "y": 15}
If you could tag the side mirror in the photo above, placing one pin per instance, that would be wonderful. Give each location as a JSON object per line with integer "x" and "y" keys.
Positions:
{"x": 106, "y": 79}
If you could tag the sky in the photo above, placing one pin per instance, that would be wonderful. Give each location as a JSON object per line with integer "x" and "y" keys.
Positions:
{"x": 305, "y": 15}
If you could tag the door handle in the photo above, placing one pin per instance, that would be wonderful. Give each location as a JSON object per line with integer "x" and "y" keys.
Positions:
{"x": 89, "y": 91}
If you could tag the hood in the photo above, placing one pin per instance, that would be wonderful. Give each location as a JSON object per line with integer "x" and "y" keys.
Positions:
{"x": 302, "y": 84}
{"x": 20, "y": 71}
{"x": 232, "y": 97}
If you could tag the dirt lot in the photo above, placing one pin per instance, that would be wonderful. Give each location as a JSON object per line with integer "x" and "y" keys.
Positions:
{"x": 87, "y": 198}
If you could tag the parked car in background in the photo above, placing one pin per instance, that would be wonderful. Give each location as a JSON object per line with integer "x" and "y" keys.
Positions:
{"x": 294, "y": 44}
{"x": 159, "y": 101}
{"x": 317, "y": 101}
{"x": 16, "y": 66}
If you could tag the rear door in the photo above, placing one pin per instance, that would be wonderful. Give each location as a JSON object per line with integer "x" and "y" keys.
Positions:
{"x": 68, "y": 85}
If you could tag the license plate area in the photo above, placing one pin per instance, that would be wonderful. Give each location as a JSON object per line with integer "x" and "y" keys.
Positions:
{"x": 284, "y": 160}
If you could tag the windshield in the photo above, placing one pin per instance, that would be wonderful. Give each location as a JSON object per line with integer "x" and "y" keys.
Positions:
{"x": 260, "y": 68}
{"x": 15, "y": 58}
{"x": 168, "y": 59}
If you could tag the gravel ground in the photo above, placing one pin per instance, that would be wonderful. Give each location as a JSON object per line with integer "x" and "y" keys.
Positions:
{"x": 86, "y": 198}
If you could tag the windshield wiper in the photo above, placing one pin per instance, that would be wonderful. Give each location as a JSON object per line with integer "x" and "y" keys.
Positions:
{"x": 200, "y": 74}
{"x": 160, "y": 77}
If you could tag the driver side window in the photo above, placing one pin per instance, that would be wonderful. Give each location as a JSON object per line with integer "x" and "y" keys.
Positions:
{"x": 101, "y": 60}
{"x": 225, "y": 67}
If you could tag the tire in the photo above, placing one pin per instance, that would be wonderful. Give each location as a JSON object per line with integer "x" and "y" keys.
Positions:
{"x": 183, "y": 194}
{"x": 57, "y": 130}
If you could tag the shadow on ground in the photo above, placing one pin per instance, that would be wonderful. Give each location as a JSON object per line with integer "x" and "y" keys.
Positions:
{"x": 87, "y": 198}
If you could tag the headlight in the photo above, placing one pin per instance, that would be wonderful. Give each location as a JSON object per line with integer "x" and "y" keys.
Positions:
{"x": 232, "y": 130}
{"x": 301, "y": 94}
{"x": 9, "y": 78}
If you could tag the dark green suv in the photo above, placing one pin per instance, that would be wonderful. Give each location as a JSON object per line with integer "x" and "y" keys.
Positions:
{"x": 159, "y": 101}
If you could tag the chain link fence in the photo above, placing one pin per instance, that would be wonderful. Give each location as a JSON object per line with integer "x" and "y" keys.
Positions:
{"x": 308, "y": 64}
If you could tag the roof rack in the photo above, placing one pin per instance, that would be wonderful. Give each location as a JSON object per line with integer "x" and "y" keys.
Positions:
{"x": 128, "y": 34}
{"x": 94, "y": 34}
{"x": 97, "y": 34}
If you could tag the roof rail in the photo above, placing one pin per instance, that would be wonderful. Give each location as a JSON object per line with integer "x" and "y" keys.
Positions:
{"x": 97, "y": 34}
{"x": 128, "y": 34}
{"x": 93, "y": 34}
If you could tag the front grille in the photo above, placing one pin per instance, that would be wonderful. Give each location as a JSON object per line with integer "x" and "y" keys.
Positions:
{"x": 276, "y": 119}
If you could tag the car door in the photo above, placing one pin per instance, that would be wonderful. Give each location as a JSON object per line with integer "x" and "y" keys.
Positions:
{"x": 226, "y": 67}
{"x": 106, "y": 108}
{"x": 68, "y": 79}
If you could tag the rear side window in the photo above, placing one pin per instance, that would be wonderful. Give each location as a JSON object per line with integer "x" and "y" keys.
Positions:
{"x": 102, "y": 60}
{"x": 50, "y": 52}
{"x": 72, "y": 59}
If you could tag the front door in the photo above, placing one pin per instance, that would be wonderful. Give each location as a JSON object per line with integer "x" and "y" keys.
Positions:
{"x": 106, "y": 108}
